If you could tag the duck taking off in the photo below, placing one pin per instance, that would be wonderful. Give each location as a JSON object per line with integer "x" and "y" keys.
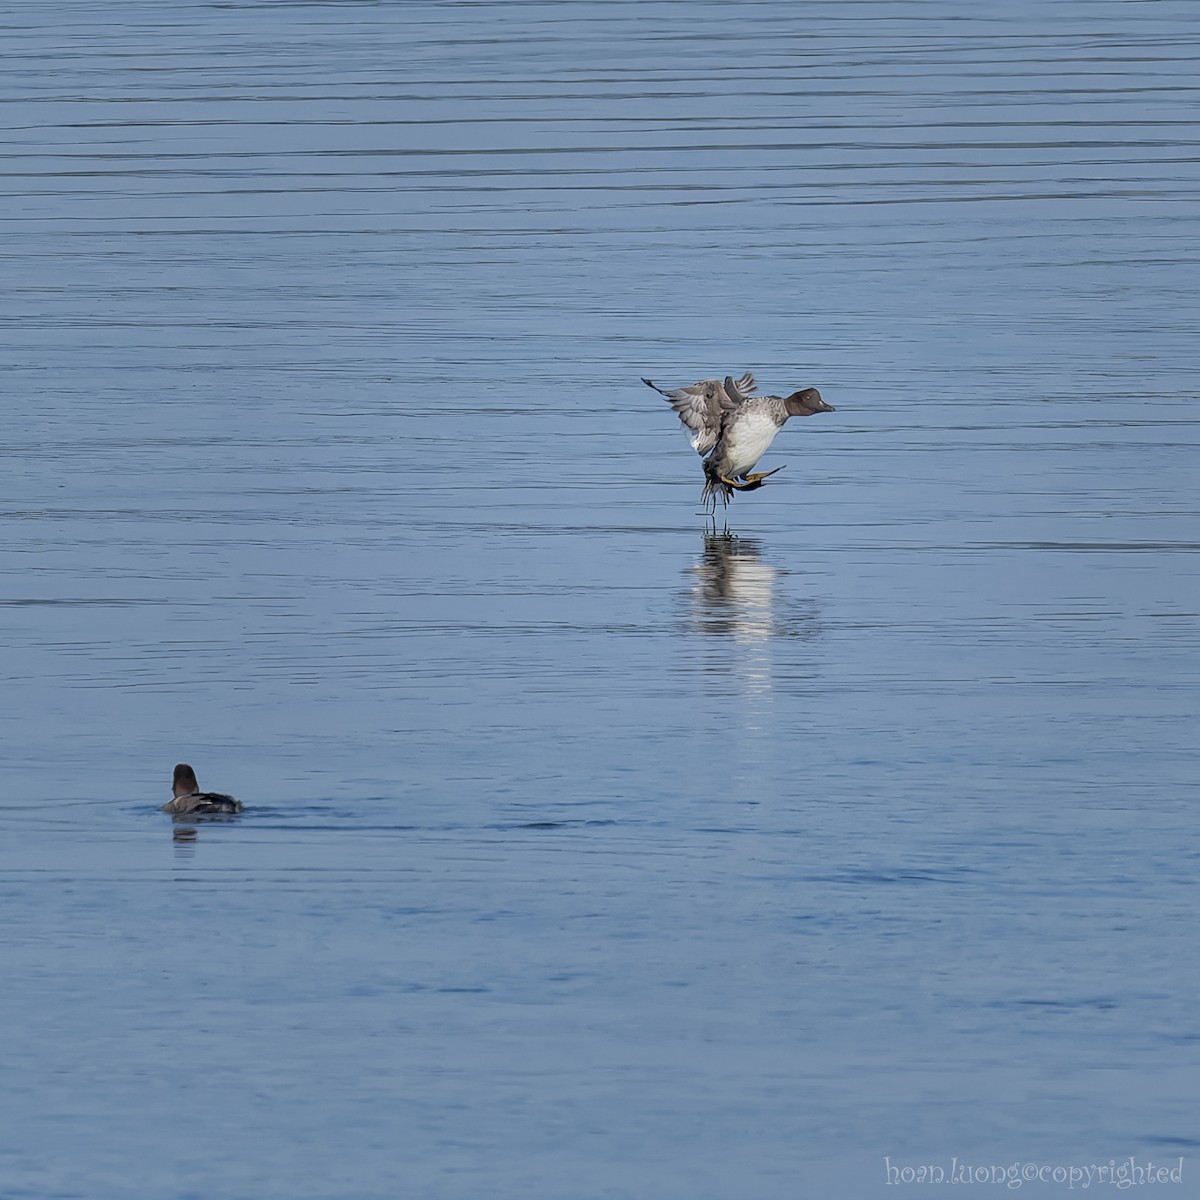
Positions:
{"x": 188, "y": 798}
{"x": 732, "y": 428}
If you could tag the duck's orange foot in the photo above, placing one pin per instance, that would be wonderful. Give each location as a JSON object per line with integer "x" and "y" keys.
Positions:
{"x": 757, "y": 478}
{"x": 751, "y": 482}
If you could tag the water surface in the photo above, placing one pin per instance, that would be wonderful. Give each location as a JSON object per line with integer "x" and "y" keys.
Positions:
{"x": 589, "y": 853}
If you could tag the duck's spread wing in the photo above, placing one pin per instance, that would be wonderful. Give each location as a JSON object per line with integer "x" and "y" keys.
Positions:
{"x": 744, "y": 387}
{"x": 703, "y": 406}
{"x": 738, "y": 390}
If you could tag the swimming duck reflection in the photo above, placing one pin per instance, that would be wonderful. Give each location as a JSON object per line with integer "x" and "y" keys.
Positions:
{"x": 185, "y": 830}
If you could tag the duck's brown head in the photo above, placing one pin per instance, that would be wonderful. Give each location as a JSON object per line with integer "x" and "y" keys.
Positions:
{"x": 806, "y": 402}
{"x": 184, "y": 783}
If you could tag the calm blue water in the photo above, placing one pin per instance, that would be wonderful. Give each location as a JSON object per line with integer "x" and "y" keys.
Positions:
{"x": 586, "y": 855}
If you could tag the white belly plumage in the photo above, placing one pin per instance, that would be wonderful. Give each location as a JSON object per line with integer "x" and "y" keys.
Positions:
{"x": 748, "y": 441}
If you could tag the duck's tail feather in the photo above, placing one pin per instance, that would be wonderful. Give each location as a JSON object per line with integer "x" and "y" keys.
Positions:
{"x": 715, "y": 488}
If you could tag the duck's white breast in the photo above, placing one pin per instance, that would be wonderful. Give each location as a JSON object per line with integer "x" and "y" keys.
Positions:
{"x": 748, "y": 440}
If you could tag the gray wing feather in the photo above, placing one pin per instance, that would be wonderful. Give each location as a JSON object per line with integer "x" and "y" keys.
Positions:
{"x": 702, "y": 406}
{"x": 746, "y": 385}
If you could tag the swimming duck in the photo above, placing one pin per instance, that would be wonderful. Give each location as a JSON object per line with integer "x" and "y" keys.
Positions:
{"x": 732, "y": 428}
{"x": 188, "y": 798}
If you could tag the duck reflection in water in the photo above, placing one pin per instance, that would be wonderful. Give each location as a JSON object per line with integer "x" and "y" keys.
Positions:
{"x": 733, "y": 594}
{"x": 185, "y": 828}
{"x": 734, "y": 590}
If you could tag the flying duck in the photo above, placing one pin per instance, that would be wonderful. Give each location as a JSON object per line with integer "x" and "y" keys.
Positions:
{"x": 732, "y": 428}
{"x": 188, "y": 798}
